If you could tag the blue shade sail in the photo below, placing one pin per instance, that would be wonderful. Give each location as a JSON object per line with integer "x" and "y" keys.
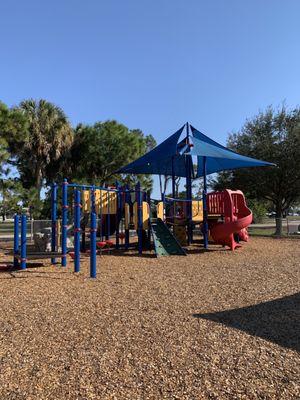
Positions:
{"x": 159, "y": 160}
{"x": 171, "y": 157}
{"x": 218, "y": 157}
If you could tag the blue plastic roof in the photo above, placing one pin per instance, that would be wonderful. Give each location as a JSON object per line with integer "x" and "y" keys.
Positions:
{"x": 171, "y": 156}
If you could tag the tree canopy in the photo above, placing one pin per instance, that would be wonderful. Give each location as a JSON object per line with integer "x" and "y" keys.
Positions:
{"x": 49, "y": 137}
{"x": 273, "y": 135}
{"x": 13, "y": 128}
{"x": 39, "y": 145}
{"x": 101, "y": 149}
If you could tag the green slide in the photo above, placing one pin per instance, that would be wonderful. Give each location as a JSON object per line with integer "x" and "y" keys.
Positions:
{"x": 165, "y": 244}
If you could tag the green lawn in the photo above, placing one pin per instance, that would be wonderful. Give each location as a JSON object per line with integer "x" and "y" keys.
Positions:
{"x": 269, "y": 231}
{"x": 265, "y": 231}
{"x": 8, "y": 228}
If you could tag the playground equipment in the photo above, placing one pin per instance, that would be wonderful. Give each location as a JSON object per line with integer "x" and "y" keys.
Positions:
{"x": 227, "y": 220}
{"x": 103, "y": 209}
{"x": 192, "y": 157}
{"x": 227, "y": 216}
{"x": 222, "y": 216}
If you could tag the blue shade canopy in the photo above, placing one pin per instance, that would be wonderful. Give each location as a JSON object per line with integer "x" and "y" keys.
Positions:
{"x": 162, "y": 160}
{"x": 218, "y": 157}
{"x": 170, "y": 157}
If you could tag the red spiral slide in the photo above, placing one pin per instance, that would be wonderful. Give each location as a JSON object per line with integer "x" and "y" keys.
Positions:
{"x": 237, "y": 217}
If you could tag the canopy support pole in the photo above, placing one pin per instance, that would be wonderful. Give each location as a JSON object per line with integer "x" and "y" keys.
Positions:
{"x": 189, "y": 192}
{"x": 127, "y": 201}
{"x": 173, "y": 189}
{"x": 205, "y": 213}
{"x": 160, "y": 187}
{"x": 139, "y": 201}
{"x": 173, "y": 179}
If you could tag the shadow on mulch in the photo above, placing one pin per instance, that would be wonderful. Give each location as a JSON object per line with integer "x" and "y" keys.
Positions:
{"x": 146, "y": 253}
{"x": 202, "y": 250}
{"x": 121, "y": 253}
{"x": 33, "y": 270}
{"x": 8, "y": 268}
{"x": 277, "y": 321}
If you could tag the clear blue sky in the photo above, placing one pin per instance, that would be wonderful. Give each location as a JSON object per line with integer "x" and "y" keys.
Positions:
{"x": 153, "y": 64}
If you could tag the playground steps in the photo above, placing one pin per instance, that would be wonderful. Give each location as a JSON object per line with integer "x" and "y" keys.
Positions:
{"x": 165, "y": 244}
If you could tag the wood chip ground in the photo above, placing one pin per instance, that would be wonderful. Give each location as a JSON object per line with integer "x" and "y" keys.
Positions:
{"x": 213, "y": 325}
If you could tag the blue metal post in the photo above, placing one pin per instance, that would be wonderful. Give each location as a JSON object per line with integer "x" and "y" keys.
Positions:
{"x": 163, "y": 201}
{"x": 173, "y": 180}
{"x": 83, "y": 235}
{"x": 128, "y": 201}
{"x": 64, "y": 227}
{"x": 23, "y": 240}
{"x": 101, "y": 216}
{"x": 54, "y": 220}
{"x": 118, "y": 215}
{"x": 189, "y": 166}
{"x": 148, "y": 199}
{"x": 173, "y": 190}
{"x": 93, "y": 205}
{"x": 83, "y": 243}
{"x": 205, "y": 213}
{"x": 16, "y": 240}
{"x": 77, "y": 198}
{"x": 108, "y": 217}
{"x": 139, "y": 217}
{"x": 189, "y": 198}
{"x": 93, "y": 230}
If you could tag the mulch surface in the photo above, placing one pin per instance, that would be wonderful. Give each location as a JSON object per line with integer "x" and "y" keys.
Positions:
{"x": 212, "y": 325}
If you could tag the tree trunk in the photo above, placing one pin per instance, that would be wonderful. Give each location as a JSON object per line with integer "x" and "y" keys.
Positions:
{"x": 3, "y": 204}
{"x": 166, "y": 180}
{"x": 278, "y": 231}
{"x": 38, "y": 181}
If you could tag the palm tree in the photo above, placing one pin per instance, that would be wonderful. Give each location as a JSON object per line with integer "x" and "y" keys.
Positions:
{"x": 49, "y": 138}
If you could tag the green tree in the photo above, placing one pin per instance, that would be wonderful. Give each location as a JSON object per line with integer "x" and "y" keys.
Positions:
{"x": 39, "y": 153}
{"x": 4, "y": 155}
{"x": 259, "y": 209}
{"x": 273, "y": 135}
{"x": 13, "y": 128}
{"x": 11, "y": 197}
{"x": 101, "y": 149}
